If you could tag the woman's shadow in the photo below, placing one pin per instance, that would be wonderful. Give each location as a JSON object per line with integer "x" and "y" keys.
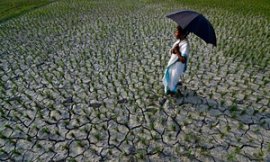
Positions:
{"x": 244, "y": 114}
{"x": 219, "y": 118}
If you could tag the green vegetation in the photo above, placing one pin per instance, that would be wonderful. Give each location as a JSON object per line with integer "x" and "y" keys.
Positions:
{"x": 12, "y": 8}
{"x": 259, "y": 7}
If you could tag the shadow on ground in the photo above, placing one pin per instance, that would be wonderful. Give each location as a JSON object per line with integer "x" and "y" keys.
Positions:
{"x": 238, "y": 130}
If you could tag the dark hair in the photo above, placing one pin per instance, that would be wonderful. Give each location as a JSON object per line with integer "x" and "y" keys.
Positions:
{"x": 184, "y": 32}
{"x": 179, "y": 28}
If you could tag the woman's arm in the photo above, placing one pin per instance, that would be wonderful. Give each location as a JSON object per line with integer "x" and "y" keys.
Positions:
{"x": 178, "y": 53}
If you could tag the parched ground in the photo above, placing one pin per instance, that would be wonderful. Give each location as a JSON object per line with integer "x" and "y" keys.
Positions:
{"x": 82, "y": 81}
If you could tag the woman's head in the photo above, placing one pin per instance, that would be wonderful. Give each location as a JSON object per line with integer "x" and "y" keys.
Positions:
{"x": 179, "y": 33}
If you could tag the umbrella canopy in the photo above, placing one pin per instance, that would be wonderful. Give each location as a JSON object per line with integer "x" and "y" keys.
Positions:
{"x": 194, "y": 22}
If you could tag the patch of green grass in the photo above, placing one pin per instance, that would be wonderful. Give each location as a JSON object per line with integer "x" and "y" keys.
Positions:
{"x": 260, "y": 7}
{"x": 12, "y": 8}
{"x": 233, "y": 108}
{"x": 231, "y": 156}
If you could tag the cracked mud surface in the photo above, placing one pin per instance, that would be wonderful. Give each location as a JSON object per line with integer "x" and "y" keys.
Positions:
{"x": 83, "y": 82}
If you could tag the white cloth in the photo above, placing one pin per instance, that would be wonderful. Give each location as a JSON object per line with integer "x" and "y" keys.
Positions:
{"x": 175, "y": 68}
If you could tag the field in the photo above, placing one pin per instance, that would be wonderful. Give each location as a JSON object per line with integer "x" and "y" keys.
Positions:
{"x": 82, "y": 81}
{"x": 13, "y": 8}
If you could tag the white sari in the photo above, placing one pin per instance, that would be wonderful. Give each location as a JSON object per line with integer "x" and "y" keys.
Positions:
{"x": 175, "y": 69}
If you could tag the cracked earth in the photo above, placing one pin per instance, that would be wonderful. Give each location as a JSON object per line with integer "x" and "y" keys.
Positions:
{"x": 82, "y": 81}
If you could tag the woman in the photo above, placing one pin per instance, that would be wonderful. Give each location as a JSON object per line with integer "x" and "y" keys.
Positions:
{"x": 178, "y": 62}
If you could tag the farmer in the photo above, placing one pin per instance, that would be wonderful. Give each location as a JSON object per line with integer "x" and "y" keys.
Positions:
{"x": 177, "y": 64}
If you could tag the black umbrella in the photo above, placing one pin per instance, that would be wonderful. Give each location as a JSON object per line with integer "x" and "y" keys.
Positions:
{"x": 194, "y": 22}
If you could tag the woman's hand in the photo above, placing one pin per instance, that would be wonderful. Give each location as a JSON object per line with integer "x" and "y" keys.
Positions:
{"x": 171, "y": 51}
{"x": 182, "y": 59}
{"x": 176, "y": 51}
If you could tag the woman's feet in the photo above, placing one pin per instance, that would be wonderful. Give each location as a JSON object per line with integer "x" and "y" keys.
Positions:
{"x": 169, "y": 92}
{"x": 174, "y": 94}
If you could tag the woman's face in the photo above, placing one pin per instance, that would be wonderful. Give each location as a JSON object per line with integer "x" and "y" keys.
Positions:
{"x": 177, "y": 34}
